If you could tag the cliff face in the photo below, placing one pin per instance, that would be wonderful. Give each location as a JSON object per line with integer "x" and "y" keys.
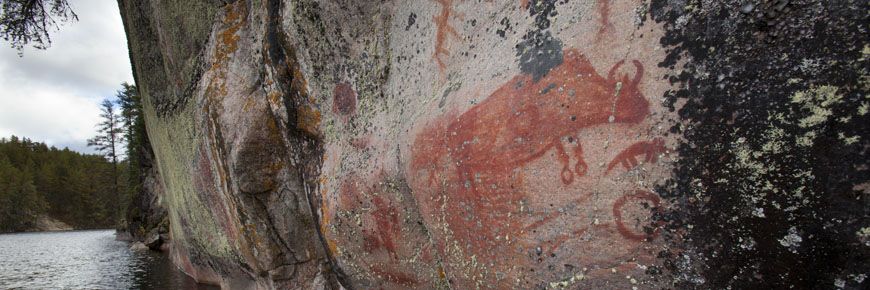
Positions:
{"x": 147, "y": 219}
{"x": 509, "y": 144}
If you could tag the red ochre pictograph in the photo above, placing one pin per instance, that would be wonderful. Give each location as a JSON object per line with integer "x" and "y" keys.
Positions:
{"x": 469, "y": 166}
{"x": 606, "y": 27}
{"x": 343, "y": 100}
{"x": 371, "y": 226}
{"x": 650, "y": 150}
{"x": 637, "y": 233}
{"x": 443, "y": 28}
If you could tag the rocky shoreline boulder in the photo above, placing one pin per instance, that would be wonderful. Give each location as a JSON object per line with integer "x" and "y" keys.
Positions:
{"x": 45, "y": 223}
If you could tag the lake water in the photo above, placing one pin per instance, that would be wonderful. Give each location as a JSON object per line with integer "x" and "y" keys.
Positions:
{"x": 84, "y": 260}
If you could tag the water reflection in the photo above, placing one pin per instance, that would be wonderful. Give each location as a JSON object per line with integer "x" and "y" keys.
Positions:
{"x": 84, "y": 260}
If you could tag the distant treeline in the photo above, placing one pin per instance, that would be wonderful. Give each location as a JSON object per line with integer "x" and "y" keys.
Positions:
{"x": 69, "y": 186}
{"x": 85, "y": 191}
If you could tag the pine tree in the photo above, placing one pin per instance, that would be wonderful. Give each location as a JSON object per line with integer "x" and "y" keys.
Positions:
{"x": 28, "y": 21}
{"x": 134, "y": 133}
{"x": 108, "y": 139}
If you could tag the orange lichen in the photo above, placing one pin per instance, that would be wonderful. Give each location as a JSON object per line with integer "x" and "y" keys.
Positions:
{"x": 226, "y": 44}
{"x": 274, "y": 98}
{"x": 308, "y": 119}
{"x": 249, "y": 104}
{"x": 324, "y": 221}
{"x": 299, "y": 83}
{"x": 275, "y": 136}
{"x": 228, "y": 37}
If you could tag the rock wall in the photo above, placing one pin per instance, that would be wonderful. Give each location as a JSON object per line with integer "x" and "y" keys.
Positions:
{"x": 147, "y": 219}
{"x": 509, "y": 144}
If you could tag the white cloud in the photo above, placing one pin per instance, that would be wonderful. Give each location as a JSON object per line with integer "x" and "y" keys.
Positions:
{"x": 49, "y": 115}
{"x": 53, "y": 95}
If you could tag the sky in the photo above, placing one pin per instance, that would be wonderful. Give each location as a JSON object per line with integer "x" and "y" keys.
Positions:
{"x": 53, "y": 95}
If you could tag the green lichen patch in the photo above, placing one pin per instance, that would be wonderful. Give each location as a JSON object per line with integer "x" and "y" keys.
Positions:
{"x": 819, "y": 102}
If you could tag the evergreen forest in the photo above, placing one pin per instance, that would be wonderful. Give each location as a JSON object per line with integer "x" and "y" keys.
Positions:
{"x": 85, "y": 191}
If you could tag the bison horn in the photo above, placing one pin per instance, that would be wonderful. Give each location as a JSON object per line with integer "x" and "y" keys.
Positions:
{"x": 638, "y": 74}
{"x": 613, "y": 70}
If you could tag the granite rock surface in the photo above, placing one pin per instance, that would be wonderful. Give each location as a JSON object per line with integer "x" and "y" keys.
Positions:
{"x": 509, "y": 144}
